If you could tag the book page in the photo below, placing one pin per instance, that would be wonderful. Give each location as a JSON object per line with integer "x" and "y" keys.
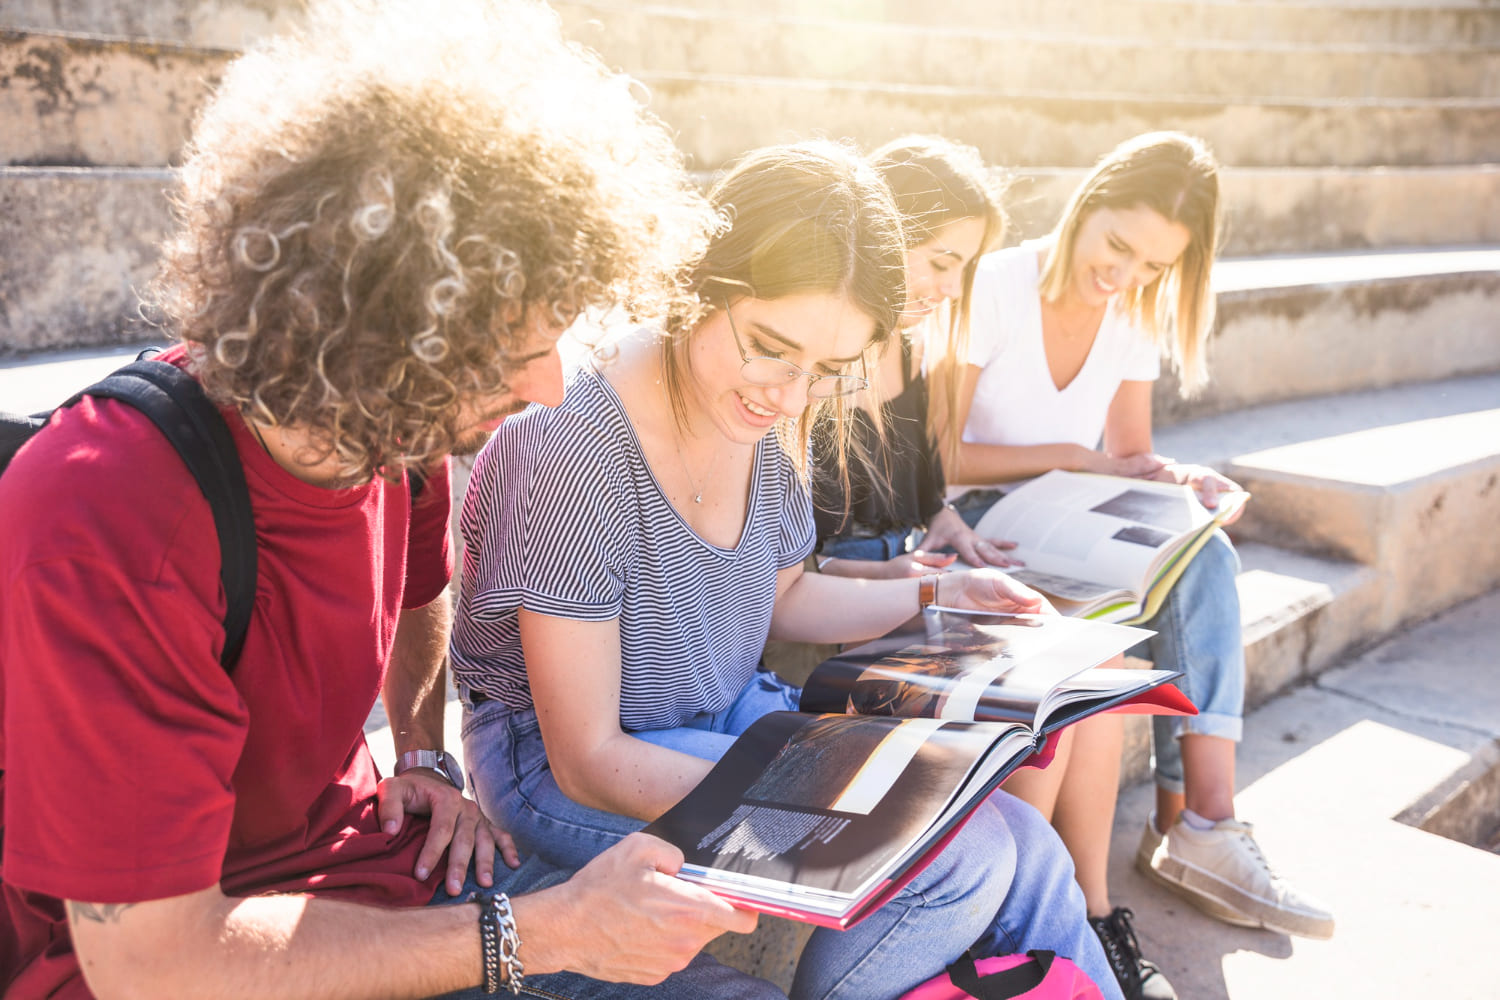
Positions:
{"x": 824, "y": 804}
{"x": 1082, "y": 693}
{"x": 1104, "y": 530}
{"x": 949, "y": 664}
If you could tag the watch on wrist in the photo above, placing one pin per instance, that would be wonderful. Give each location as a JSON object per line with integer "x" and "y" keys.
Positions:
{"x": 433, "y": 760}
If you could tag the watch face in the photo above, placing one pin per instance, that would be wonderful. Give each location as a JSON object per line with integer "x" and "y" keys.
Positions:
{"x": 452, "y": 770}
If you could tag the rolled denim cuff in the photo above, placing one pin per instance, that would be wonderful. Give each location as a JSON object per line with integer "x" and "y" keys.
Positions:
{"x": 1167, "y": 765}
{"x": 1226, "y": 727}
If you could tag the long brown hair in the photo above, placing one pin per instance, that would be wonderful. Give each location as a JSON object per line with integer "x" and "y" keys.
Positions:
{"x": 798, "y": 218}
{"x": 937, "y": 181}
{"x": 1176, "y": 176}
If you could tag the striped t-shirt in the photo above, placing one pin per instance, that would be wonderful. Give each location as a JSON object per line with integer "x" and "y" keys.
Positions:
{"x": 563, "y": 517}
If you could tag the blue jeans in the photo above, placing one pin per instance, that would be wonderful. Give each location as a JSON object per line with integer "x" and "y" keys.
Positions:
{"x": 889, "y": 545}
{"x": 1005, "y": 883}
{"x": 514, "y": 784}
{"x": 1198, "y": 633}
{"x": 704, "y": 977}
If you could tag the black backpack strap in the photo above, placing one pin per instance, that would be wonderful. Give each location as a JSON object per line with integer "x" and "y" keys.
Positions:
{"x": 1004, "y": 985}
{"x": 176, "y": 403}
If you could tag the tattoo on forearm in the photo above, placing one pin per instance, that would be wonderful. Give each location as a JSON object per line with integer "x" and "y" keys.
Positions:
{"x": 99, "y": 913}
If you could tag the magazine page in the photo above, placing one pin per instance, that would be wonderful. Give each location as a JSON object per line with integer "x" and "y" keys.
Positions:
{"x": 1104, "y": 530}
{"x": 953, "y": 664}
{"x": 813, "y": 811}
{"x": 1101, "y": 688}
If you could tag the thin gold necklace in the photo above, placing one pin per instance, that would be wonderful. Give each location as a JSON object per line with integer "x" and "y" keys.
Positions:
{"x": 677, "y": 443}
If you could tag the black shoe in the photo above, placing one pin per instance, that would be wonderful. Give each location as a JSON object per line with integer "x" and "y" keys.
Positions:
{"x": 1139, "y": 979}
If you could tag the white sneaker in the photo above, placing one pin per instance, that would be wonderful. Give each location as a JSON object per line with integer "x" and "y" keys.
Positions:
{"x": 1223, "y": 873}
{"x": 1150, "y": 840}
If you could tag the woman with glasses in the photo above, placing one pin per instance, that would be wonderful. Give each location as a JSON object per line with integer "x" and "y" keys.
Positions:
{"x": 629, "y": 552}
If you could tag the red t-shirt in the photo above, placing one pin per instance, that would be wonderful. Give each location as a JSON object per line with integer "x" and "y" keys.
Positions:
{"x": 136, "y": 768}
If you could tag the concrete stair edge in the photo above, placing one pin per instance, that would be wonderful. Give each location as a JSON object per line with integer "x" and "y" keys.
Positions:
{"x": 78, "y": 125}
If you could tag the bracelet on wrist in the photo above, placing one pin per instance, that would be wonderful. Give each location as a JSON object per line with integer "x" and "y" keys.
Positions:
{"x": 500, "y": 944}
{"x": 927, "y": 589}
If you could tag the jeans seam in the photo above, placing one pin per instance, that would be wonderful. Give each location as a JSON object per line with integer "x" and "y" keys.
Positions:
{"x": 877, "y": 949}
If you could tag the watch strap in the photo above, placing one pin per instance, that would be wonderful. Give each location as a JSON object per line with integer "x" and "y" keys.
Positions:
{"x": 433, "y": 760}
{"x": 927, "y": 591}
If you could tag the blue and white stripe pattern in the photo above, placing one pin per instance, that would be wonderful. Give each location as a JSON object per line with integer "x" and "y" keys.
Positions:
{"x": 564, "y": 517}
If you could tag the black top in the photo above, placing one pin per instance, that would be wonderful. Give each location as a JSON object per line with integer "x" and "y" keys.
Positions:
{"x": 909, "y": 461}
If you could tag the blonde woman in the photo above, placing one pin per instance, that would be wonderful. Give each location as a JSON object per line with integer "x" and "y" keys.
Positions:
{"x": 887, "y": 518}
{"x": 1065, "y": 338}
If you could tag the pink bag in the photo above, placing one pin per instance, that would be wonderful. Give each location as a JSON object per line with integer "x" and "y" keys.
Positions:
{"x": 1036, "y": 975}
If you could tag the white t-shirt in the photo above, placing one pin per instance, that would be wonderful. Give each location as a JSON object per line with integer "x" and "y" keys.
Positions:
{"x": 1015, "y": 399}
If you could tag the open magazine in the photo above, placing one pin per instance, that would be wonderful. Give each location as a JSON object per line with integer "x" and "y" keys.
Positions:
{"x": 822, "y": 815}
{"x": 1104, "y": 547}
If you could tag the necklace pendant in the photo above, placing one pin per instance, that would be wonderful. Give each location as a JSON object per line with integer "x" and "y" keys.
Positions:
{"x": 698, "y": 498}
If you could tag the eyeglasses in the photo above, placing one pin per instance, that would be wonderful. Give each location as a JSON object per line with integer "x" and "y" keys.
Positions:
{"x": 777, "y": 372}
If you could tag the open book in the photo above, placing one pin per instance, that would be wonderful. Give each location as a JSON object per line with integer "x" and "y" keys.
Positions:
{"x": 1104, "y": 547}
{"x": 824, "y": 814}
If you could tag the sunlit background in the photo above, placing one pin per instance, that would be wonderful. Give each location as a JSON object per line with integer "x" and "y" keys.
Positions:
{"x": 1355, "y": 364}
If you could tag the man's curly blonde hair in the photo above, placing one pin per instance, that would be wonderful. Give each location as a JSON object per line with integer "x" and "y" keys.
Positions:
{"x": 371, "y": 208}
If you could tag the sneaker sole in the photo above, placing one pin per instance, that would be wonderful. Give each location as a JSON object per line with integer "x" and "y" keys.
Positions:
{"x": 1143, "y": 856}
{"x": 1231, "y": 904}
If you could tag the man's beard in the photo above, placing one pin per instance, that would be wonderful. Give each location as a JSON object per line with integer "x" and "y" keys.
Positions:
{"x": 472, "y": 441}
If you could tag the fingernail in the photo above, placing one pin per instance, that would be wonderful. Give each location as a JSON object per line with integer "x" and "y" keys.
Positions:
{"x": 422, "y": 872}
{"x": 393, "y": 826}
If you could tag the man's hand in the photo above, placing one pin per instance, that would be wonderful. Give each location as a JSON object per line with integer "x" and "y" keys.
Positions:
{"x": 624, "y": 918}
{"x": 456, "y": 825}
{"x": 948, "y": 530}
{"x": 989, "y": 590}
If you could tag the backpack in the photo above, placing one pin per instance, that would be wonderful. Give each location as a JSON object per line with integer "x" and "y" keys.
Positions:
{"x": 1036, "y": 975}
{"x": 176, "y": 403}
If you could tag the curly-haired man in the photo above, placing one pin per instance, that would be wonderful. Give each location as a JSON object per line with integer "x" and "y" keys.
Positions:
{"x": 383, "y": 226}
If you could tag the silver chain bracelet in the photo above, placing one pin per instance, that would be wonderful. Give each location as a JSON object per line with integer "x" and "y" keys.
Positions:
{"x": 500, "y": 944}
{"x": 510, "y": 944}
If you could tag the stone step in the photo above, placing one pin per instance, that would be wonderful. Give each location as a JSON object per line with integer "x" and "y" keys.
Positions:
{"x": 1293, "y": 327}
{"x": 1405, "y": 481}
{"x": 751, "y": 43}
{"x": 1303, "y": 210}
{"x": 1298, "y": 613}
{"x": 77, "y": 100}
{"x": 1043, "y": 129}
{"x": 83, "y": 242}
{"x": 79, "y": 243}
{"x": 1471, "y": 23}
{"x": 1334, "y": 776}
{"x": 235, "y": 23}
{"x": 228, "y": 24}
{"x": 83, "y": 101}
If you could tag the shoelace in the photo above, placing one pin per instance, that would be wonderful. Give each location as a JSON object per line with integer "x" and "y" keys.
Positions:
{"x": 1122, "y": 950}
{"x": 1260, "y": 859}
{"x": 1121, "y": 919}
